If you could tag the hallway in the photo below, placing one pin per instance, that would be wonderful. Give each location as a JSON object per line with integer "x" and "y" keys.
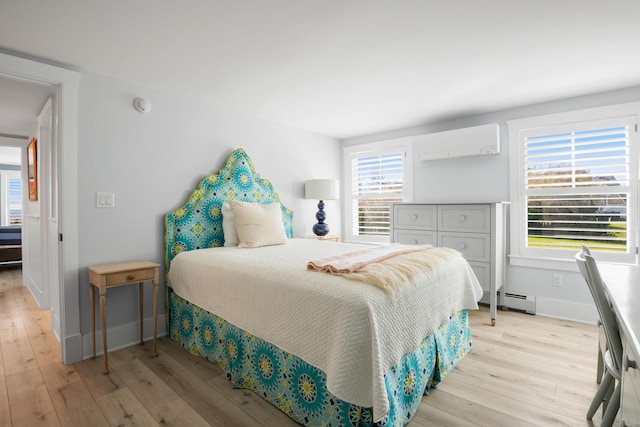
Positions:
{"x": 29, "y": 356}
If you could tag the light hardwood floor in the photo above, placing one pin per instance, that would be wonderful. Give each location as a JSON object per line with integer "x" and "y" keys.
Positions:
{"x": 525, "y": 371}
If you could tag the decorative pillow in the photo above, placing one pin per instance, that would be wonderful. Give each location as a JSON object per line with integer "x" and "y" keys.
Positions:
{"x": 257, "y": 224}
{"x": 229, "y": 226}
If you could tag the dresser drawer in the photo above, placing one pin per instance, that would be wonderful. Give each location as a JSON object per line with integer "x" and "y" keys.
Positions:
{"x": 424, "y": 217}
{"x": 473, "y": 246}
{"x": 415, "y": 237}
{"x": 482, "y": 271}
{"x": 467, "y": 218}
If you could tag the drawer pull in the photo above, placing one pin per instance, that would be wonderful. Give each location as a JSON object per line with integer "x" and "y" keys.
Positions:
{"x": 130, "y": 277}
{"x": 462, "y": 218}
{"x": 462, "y": 246}
{"x": 414, "y": 242}
{"x": 414, "y": 217}
{"x": 628, "y": 364}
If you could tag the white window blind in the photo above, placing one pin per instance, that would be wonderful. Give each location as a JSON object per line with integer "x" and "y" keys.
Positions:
{"x": 15, "y": 200}
{"x": 376, "y": 176}
{"x": 578, "y": 182}
{"x": 376, "y": 183}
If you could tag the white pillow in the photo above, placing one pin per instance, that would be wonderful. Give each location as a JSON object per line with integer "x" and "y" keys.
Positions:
{"x": 229, "y": 226}
{"x": 257, "y": 224}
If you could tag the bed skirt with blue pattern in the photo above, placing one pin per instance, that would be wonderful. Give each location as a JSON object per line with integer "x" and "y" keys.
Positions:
{"x": 297, "y": 388}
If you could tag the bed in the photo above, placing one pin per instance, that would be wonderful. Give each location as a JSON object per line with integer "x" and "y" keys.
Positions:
{"x": 10, "y": 244}
{"x": 323, "y": 349}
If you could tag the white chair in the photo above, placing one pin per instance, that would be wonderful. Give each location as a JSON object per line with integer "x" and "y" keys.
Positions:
{"x": 613, "y": 355}
{"x": 602, "y": 348}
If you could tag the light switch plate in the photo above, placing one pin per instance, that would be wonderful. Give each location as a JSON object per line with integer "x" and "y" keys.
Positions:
{"x": 105, "y": 200}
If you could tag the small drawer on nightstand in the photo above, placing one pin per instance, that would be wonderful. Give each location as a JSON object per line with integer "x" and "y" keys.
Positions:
{"x": 467, "y": 218}
{"x": 424, "y": 217}
{"x": 474, "y": 247}
{"x": 130, "y": 276}
{"x": 415, "y": 237}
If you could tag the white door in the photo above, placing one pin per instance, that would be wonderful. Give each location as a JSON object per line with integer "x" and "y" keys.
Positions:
{"x": 40, "y": 269}
{"x": 33, "y": 249}
{"x": 52, "y": 230}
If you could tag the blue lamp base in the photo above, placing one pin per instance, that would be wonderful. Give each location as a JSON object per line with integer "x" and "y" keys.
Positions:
{"x": 321, "y": 229}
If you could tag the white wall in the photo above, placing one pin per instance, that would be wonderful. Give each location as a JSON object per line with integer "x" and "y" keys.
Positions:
{"x": 153, "y": 161}
{"x": 486, "y": 178}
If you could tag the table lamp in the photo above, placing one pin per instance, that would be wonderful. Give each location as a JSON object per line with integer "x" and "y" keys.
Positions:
{"x": 321, "y": 189}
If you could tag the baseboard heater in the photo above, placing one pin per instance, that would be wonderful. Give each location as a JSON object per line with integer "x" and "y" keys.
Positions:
{"x": 520, "y": 302}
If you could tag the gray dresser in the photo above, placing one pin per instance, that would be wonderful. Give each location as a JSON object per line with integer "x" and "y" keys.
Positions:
{"x": 477, "y": 230}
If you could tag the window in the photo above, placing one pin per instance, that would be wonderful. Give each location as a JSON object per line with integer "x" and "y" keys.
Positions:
{"x": 15, "y": 200}
{"x": 376, "y": 176}
{"x": 576, "y": 185}
{"x": 10, "y": 197}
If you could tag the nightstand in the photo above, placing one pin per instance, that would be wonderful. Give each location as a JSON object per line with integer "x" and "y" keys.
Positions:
{"x": 328, "y": 237}
{"x": 105, "y": 276}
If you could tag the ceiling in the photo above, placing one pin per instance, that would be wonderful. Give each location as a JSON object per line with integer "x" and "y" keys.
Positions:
{"x": 20, "y": 103}
{"x": 340, "y": 68}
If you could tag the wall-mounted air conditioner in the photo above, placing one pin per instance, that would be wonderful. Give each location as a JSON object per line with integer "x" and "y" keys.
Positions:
{"x": 465, "y": 142}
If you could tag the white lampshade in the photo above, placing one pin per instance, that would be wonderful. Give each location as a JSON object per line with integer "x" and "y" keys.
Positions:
{"x": 322, "y": 189}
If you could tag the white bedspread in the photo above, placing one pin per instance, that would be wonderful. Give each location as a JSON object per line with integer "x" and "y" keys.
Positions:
{"x": 358, "y": 331}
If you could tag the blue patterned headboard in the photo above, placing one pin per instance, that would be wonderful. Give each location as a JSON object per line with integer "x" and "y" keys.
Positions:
{"x": 198, "y": 223}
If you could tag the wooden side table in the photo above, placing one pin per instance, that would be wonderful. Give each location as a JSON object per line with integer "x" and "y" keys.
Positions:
{"x": 328, "y": 237}
{"x": 123, "y": 273}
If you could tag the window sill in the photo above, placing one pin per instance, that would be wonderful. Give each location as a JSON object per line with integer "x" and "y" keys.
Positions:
{"x": 555, "y": 264}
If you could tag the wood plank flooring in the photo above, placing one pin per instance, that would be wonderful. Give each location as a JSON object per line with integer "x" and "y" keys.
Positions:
{"x": 525, "y": 371}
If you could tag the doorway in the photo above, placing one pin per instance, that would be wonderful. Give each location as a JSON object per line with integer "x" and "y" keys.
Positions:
{"x": 58, "y": 262}
{"x": 11, "y": 204}
{"x": 33, "y": 216}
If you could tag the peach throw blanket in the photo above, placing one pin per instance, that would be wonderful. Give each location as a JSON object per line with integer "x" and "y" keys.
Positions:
{"x": 386, "y": 267}
{"x": 354, "y": 261}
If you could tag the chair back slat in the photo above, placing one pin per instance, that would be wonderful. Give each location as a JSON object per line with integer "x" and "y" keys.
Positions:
{"x": 589, "y": 270}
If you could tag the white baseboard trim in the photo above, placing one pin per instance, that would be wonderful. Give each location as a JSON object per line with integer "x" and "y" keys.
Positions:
{"x": 73, "y": 349}
{"x": 560, "y": 309}
{"x": 585, "y": 313}
{"x": 55, "y": 323}
{"x": 122, "y": 336}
